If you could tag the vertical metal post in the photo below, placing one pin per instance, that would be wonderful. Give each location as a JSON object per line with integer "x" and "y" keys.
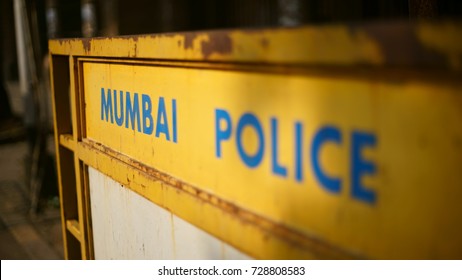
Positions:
{"x": 52, "y": 18}
{"x": 290, "y": 13}
{"x": 21, "y": 47}
{"x": 88, "y": 14}
{"x": 109, "y": 21}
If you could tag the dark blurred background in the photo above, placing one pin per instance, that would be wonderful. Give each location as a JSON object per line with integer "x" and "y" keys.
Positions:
{"x": 88, "y": 18}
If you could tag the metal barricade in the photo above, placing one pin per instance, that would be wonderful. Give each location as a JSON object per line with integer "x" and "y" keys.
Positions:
{"x": 313, "y": 142}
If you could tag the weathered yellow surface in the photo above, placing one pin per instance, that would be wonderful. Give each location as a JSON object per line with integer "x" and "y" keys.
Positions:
{"x": 417, "y": 153}
{"x": 337, "y": 45}
{"x": 249, "y": 136}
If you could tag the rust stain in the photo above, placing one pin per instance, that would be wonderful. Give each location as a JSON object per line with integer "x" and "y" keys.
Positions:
{"x": 135, "y": 48}
{"x": 133, "y": 41}
{"x": 219, "y": 42}
{"x": 189, "y": 39}
{"x": 264, "y": 43}
{"x": 291, "y": 236}
{"x": 400, "y": 45}
{"x": 86, "y": 44}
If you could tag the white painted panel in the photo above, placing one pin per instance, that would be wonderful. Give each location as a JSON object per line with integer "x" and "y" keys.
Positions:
{"x": 231, "y": 253}
{"x": 125, "y": 225}
{"x": 192, "y": 243}
{"x": 128, "y": 226}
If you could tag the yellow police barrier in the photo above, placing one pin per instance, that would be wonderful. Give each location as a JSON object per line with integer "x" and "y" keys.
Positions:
{"x": 312, "y": 142}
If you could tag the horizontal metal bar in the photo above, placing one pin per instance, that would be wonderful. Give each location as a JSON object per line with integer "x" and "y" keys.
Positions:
{"x": 74, "y": 228}
{"x": 421, "y": 44}
{"x": 67, "y": 141}
{"x": 256, "y": 235}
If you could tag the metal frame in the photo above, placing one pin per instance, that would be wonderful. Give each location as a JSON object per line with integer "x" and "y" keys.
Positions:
{"x": 430, "y": 52}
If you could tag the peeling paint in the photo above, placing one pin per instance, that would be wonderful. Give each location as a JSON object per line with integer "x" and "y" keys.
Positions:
{"x": 219, "y": 42}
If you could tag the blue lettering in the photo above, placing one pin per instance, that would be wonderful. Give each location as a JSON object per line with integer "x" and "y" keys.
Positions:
{"x": 132, "y": 112}
{"x": 298, "y": 152}
{"x": 119, "y": 120}
{"x": 162, "y": 122}
{"x": 174, "y": 120}
{"x": 277, "y": 168}
{"x": 221, "y": 135}
{"x": 248, "y": 119}
{"x": 147, "y": 116}
{"x": 106, "y": 105}
{"x": 360, "y": 166}
{"x": 323, "y": 135}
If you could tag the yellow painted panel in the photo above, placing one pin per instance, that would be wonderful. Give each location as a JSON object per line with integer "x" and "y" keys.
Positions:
{"x": 389, "y": 153}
